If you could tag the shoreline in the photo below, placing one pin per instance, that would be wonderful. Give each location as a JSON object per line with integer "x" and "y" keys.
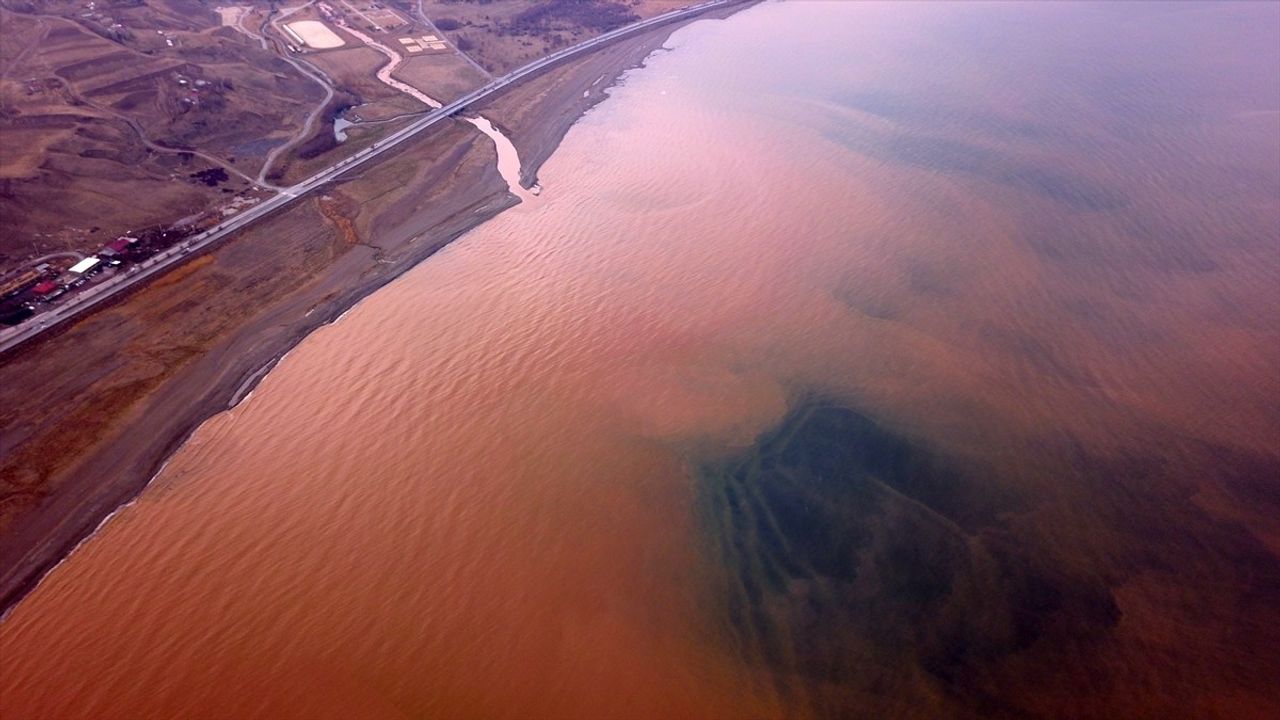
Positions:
{"x": 44, "y": 536}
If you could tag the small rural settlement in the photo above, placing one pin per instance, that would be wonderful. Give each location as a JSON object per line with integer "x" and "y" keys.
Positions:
{"x": 132, "y": 125}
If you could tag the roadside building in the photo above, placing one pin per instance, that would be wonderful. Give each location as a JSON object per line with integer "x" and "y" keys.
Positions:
{"x": 19, "y": 282}
{"x": 45, "y": 288}
{"x": 117, "y": 246}
{"x": 86, "y": 265}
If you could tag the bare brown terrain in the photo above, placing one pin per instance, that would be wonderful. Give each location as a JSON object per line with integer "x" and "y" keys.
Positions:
{"x": 93, "y": 411}
{"x": 108, "y": 113}
{"x": 353, "y": 67}
{"x": 446, "y": 74}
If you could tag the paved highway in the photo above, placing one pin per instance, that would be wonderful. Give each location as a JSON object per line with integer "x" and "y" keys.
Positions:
{"x": 159, "y": 263}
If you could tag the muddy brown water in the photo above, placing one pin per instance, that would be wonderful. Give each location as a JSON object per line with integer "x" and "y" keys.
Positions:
{"x": 855, "y": 360}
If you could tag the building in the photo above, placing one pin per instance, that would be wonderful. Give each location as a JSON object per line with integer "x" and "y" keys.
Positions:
{"x": 117, "y": 246}
{"x": 17, "y": 284}
{"x": 85, "y": 265}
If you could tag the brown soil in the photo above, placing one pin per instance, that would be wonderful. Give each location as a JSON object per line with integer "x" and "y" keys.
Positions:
{"x": 341, "y": 210}
{"x": 443, "y": 76}
{"x": 79, "y": 87}
{"x": 353, "y": 68}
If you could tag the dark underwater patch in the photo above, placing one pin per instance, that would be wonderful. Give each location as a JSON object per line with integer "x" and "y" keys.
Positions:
{"x": 859, "y": 564}
{"x": 937, "y": 114}
{"x": 955, "y": 157}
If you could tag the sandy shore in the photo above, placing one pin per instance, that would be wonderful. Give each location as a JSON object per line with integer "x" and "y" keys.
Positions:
{"x": 92, "y": 413}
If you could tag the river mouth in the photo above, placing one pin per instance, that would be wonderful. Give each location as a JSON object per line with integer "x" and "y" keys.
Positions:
{"x": 508, "y": 158}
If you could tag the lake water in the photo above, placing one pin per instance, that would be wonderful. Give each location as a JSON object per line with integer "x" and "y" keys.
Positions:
{"x": 856, "y": 360}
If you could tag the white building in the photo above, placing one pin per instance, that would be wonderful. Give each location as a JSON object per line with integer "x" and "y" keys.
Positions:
{"x": 85, "y": 265}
